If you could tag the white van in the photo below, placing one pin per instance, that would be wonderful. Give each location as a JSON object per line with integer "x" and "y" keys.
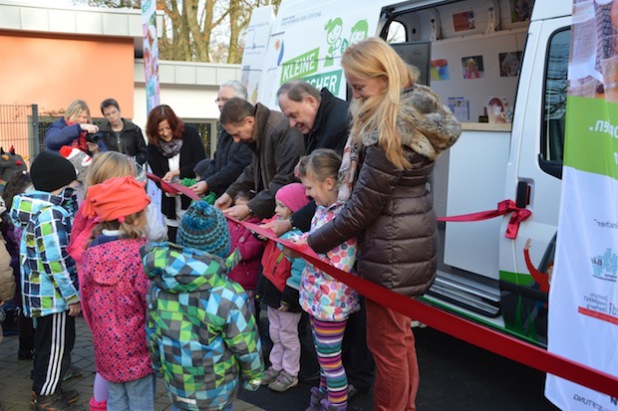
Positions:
{"x": 501, "y": 66}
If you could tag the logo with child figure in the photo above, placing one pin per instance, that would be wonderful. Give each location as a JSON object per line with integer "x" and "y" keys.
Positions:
{"x": 336, "y": 44}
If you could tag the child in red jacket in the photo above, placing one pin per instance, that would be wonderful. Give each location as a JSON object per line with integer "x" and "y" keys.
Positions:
{"x": 278, "y": 291}
{"x": 251, "y": 249}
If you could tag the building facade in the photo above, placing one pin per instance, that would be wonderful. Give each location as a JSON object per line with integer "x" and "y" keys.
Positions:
{"x": 53, "y": 55}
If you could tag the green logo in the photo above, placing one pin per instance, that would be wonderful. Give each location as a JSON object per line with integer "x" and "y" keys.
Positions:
{"x": 300, "y": 66}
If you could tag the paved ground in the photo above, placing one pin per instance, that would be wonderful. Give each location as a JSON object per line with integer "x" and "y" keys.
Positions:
{"x": 15, "y": 383}
{"x": 455, "y": 376}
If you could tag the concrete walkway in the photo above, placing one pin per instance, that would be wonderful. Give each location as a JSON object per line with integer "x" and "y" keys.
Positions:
{"x": 15, "y": 383}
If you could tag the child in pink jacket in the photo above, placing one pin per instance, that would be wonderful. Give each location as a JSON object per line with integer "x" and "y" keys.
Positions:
{"x": 251, "y": 249}
{"x": 114, "y": 292}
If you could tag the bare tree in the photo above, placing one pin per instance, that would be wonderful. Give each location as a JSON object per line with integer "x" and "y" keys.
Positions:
{"x": 192, "y": 29}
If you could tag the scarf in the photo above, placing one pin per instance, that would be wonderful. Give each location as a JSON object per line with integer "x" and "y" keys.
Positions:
{"x": 170, "y": 148}
{"x": 425, "y": 125}
{"x": 347, "y": 171}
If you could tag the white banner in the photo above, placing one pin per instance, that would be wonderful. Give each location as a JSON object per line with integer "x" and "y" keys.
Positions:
{"x": 583, "y": 297}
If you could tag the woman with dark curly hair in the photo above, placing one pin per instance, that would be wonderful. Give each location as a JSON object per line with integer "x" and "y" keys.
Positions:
{"x": 173, "y": 151}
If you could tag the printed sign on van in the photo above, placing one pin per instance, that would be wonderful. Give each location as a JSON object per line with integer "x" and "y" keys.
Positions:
{"x": 256, "y": 43}
{"x": 308, "y": 44}
{"x": 583, "y": 297}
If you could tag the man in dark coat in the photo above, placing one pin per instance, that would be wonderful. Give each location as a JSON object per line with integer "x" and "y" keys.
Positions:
{"x": 324, "y": 121}
{"x": 119, "y": 134}
{"x": 230, "y": 158}
{"x": 276, "y": 148}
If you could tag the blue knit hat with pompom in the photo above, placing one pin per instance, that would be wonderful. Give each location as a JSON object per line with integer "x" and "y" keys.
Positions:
{"x": 204, "y": 228}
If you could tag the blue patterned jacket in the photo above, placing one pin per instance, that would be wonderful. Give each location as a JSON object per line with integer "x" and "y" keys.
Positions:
{"x": 200, "y": 332}
{"x": 48, "y": 275}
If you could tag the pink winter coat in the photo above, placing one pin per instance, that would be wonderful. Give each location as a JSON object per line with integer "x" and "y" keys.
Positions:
{"x": 247, "y": 271}
{"x": 114, "y": 304}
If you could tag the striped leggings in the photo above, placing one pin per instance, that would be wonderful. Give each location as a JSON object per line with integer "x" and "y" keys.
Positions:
{"x": 54, "y": 338}
{"x": 327, "y": 338}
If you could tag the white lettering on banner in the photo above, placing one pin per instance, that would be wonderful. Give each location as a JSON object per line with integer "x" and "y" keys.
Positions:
{"x": 330, "y": 82}
{"x": 604, "y": 126}
{"x": 306, "y": 64}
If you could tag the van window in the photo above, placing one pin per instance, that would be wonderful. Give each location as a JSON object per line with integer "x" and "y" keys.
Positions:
{"x": 396, "y": 33}
{"x": 552, "y": 139}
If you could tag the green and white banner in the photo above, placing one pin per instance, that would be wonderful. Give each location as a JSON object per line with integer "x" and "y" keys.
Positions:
{"x": 583, "y": 297}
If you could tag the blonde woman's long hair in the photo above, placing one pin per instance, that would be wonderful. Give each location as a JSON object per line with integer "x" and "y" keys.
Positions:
{"x": 107, "y": 165}
{"x": 75, "y": 108}
{"x": 374, "y": 58}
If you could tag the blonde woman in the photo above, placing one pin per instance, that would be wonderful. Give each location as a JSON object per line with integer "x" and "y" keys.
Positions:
{"x": 71, "y": 130}
{"x": 399, "y": 128}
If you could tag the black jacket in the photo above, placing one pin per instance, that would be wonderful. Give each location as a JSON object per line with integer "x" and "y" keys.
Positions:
{"x": 130, "y": 142}
{"x": 330, "y": 130}
{"x": 331, "y": 125}
{"x": 229, "y": 161}
{"x": 276, "y": 149}
{"x": 191, "y": 152}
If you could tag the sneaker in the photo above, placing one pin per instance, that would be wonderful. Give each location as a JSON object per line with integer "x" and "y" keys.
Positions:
{"x": 283, "y": 382}
{"x": 316, "y": 397}
{"x": 70, "y": 396}
{"x": 328, "y": 406}
{"x": 55, "y": 402}
{"x": 270, "y": 375}
{"x": 72, "y": 372}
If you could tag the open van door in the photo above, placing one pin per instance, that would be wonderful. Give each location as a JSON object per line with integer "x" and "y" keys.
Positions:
{"x": 533, "y": 173}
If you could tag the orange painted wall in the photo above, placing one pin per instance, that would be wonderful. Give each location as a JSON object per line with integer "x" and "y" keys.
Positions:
{"x": 52, "y": 71}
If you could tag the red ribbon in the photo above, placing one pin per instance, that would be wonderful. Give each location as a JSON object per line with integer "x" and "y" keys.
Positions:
{"x": 504, "y": 207}
{"x": 174, "y": 188}
{"x": 478, "y": 334}
{"x": 466, "y": 330}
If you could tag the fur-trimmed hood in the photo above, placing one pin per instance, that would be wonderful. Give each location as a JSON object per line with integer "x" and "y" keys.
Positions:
{"x": 425, "y": 124}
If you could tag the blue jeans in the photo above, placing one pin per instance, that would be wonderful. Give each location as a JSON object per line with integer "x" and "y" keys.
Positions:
{"x": 175, "y": 408}
{"x": 138, "y": 395}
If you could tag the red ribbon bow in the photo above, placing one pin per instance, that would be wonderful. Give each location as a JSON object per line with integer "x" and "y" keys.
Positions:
{"x": 504, "y": 207}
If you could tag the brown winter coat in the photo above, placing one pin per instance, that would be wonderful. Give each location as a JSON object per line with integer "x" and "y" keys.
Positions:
{"x": 276, "y": 147}
{"x": 391, "y": 210}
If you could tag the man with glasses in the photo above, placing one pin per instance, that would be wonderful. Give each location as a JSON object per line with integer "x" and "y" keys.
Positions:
{"x": 230, "y": 158}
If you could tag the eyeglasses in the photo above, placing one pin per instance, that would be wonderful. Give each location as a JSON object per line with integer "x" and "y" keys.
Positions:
{"x": 222, "y": 100}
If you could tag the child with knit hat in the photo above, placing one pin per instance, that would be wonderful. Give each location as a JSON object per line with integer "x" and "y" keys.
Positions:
{"x": 48, "y": 277}
{"x": 278, "y": 290}
{"x": 200, "y": 330}
{"x": 112, "y": 272}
